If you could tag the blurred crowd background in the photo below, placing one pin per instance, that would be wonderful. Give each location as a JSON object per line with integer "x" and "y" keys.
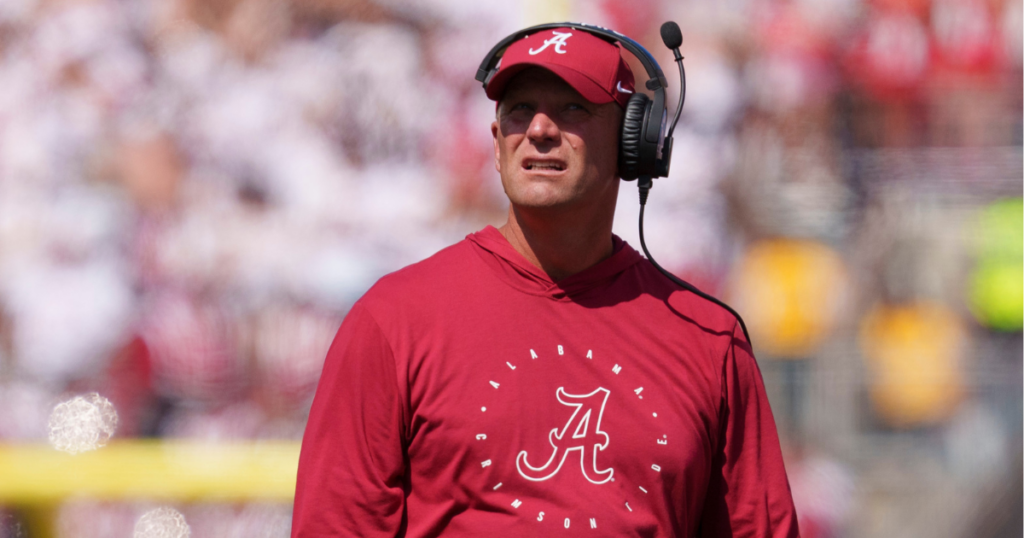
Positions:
{"x": 193, "y": 193}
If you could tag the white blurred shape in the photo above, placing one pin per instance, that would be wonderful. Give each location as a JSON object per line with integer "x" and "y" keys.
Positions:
{"x": 26, "y": 406}
{"x": 290, "y": 346}
{"x": 16, "y": 11}
{"x": 162, "y": 523}
{"x": 898, "y": 32}
{"x": 93, "y": 518}
{"x": 90, "y": 302}
{"x": 684, "y": 222}
{"x": 82, "y": 423}
{"x": 338, "y": 274}
{"x": 823, "y": 492}
{"x": 1013, "y": 28}
{"x": 976, "y": 444}
{"x": 714, "y": 93}
{"x": 263, "y": 521}
{"x": 193, "y": 346}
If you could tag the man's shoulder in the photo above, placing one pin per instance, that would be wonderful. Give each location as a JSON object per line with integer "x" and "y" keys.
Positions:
{"x": 438, "y": 272}
{"x": 687, "y": 305}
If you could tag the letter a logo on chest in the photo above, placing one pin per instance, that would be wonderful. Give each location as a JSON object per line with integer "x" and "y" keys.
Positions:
{"x": 558, "y": 41}
{"x": 580, "y": 438}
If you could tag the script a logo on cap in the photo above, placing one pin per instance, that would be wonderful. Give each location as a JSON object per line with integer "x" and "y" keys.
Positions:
{"x": 558, "y": 41}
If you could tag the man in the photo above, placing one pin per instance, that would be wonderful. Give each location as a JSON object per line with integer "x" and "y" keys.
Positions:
{"x": 543, "y": 377}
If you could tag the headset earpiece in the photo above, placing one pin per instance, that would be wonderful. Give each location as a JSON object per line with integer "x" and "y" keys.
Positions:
{"x": 637, "y": 109}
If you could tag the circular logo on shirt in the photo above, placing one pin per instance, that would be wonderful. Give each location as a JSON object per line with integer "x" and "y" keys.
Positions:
{"x": 574, "y": 425}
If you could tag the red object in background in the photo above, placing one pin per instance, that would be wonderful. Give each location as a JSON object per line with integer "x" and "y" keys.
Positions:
{"x": 634, "y": 19}
{"x": 890, "y": 58}
{"x": 128, "y": 384}
{"x": 965, "y": 37}
{"x": 784, "y": 28}
{"x": 290, "y": 343}
{"x": 796, "y": 57}
{"x": 194, "y": 349}
{"x": 917, "y": 7}
{"x": 464, "y": 154}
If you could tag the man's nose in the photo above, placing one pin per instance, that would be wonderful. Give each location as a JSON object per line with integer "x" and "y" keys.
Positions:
{"x": 542, "y": 128}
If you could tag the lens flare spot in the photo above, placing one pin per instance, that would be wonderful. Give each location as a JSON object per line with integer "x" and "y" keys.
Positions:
{"x": 162, "y": 523}
{"x": 82, "y": 423}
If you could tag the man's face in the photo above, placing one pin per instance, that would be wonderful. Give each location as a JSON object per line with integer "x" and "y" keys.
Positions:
{"x": 552, "y": 147}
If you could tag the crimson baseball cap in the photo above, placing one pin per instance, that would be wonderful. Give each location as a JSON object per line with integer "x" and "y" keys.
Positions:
{"x": 592, "y": 66}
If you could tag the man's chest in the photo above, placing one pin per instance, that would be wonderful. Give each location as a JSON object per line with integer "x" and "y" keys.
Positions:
{"x": 588, "y": 425}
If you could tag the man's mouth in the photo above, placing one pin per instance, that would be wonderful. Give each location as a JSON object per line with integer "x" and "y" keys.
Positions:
{"x": 544, "y": 165}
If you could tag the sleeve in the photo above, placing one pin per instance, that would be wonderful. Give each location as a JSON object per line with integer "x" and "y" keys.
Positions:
{"x": 352, "y": 463}
{"x": 748, "y": 493}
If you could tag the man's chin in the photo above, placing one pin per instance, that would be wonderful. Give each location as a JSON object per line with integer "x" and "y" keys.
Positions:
{"x": 540, "y": 199}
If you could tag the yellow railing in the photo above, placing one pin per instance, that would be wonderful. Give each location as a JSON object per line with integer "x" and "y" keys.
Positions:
{"x": 37, "y": 477}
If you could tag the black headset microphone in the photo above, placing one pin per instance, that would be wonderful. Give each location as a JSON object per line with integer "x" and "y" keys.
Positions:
{"x": 645, "y": 147}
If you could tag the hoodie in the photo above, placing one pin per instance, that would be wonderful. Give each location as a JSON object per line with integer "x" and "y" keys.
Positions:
{"x": 471, "y": 395}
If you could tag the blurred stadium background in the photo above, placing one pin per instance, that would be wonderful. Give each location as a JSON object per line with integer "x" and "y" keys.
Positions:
{"x": 193, "y": 192}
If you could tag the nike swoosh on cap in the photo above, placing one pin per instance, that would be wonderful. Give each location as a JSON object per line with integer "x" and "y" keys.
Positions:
{"x": 618, "y": 86}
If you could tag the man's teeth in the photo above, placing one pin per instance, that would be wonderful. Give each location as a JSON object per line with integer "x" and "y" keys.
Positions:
{"x": 543, "y": 166}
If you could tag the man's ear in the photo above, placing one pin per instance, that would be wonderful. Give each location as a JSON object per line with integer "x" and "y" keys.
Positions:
{"x": 497, "y": 152}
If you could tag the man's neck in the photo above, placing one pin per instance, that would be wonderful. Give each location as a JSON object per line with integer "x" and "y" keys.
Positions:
{"x": 561, "y": 245}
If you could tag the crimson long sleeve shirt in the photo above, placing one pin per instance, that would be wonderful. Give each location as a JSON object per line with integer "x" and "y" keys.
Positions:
{"x": 469, "y": 395}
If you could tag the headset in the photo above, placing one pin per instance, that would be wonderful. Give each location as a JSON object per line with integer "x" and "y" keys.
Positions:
{"x": 645, "y": 146}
